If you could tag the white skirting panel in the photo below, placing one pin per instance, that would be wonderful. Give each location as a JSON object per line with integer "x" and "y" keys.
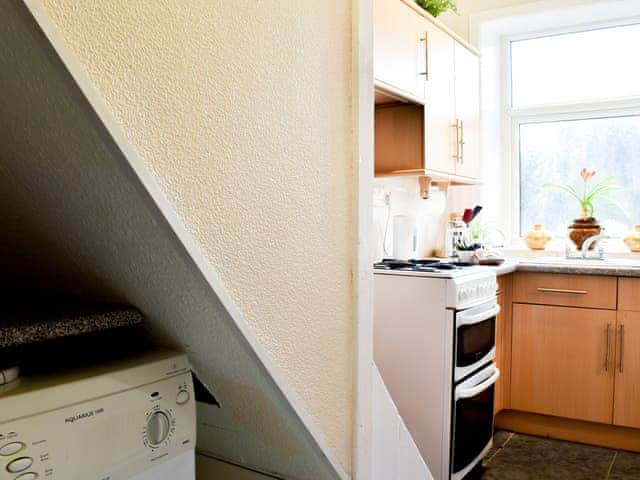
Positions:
{"x": 395, "y": 454}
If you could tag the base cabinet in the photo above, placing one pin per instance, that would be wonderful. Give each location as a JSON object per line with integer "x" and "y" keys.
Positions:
{"x": 574, "y": 359}
{"x": 626, "y": 411}
{"x": 563, "y": 361}
{"x": 503, "y": 344}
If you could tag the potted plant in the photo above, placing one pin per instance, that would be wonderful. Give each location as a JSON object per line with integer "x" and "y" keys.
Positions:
{"x": 587, "y": 226}
{"x": 437, "y": 7}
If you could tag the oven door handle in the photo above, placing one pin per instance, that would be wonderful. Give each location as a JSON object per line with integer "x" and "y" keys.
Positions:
{"x": 481, "y": 387}
{"x": 465, "y": 319}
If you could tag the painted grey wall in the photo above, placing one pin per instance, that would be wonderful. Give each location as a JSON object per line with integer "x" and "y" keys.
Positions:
{"x": 76, "y": 219}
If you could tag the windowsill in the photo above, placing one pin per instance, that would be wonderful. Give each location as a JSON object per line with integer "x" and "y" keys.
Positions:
{"x": 613, "y": 248}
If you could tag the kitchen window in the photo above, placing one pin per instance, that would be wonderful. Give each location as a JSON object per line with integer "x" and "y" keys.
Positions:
{"x": 573, "y": 99}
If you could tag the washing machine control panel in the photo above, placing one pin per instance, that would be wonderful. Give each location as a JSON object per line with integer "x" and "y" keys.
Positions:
{"x": 110, "y": 438}
{"x": 158, "y": 429}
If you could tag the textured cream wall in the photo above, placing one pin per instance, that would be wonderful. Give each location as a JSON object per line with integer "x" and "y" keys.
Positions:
{"x": 241, "y": 110}
{"x": 460, "y": 23}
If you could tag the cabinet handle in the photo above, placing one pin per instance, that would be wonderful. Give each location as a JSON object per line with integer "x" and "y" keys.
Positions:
{"x": 606, "y": 362}
{"x": 621, "y": 348}
{"x": 426, "y": 56}
{"x": 461, "y": 142}
{"x": 562, "y": 290}
{"x": 456, "y": 157}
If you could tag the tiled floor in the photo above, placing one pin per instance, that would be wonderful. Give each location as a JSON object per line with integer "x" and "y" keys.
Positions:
{"x": 523, "y": 457}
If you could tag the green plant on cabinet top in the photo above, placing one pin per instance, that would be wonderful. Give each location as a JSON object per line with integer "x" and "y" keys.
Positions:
{"x": 437, "y": 7}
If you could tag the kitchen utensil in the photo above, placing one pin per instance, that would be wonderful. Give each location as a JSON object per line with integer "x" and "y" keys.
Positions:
{"x": 476, "y": 211}
{"x": 455, "y": 234}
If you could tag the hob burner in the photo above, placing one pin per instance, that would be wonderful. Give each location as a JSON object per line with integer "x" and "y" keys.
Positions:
{"x": 419, "y": 265}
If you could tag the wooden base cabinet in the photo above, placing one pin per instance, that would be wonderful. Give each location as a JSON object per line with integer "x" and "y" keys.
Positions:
{"x": 575, "y": 359}
{"x": 626, "y": 411}
{"x": 563, "y": 361}
{"x": 503, "y": 344}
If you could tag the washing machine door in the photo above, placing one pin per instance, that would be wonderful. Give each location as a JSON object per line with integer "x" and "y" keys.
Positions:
{"x": 182, "y": 467}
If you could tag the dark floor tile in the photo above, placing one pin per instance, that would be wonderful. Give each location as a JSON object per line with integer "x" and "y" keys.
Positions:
{"x": 500, "y": 437}
{"x": 626, "y": 467}
{"x": 531, "y": 458}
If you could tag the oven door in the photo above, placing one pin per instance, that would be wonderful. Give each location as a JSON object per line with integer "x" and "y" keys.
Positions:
{"x": 475, "y": 338}
{"x": 472, "y": 422}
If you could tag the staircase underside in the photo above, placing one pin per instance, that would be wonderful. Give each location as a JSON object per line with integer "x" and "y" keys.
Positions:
{"x": 79, "y": 217}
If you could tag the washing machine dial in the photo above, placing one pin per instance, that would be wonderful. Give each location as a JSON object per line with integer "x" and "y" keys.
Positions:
{"x": 158, "y": 428}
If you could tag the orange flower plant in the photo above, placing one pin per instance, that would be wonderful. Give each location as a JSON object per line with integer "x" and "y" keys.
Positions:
{"x": 605, "y": 189}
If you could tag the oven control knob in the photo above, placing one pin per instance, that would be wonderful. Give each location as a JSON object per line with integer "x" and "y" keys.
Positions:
{"x": 158, "y": 427}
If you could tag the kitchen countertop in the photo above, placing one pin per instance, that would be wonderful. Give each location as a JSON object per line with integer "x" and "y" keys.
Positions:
{"x": 614, "y": 269}
{"x": 30, "y": 325}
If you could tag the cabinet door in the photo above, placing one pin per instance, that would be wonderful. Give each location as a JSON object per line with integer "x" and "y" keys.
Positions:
{"x": 562, "y": 361}
{"x": 503, "y": 344}
{"x": 440, "y": 103}
{"x": 467, "y": 106}
{"x": 399, "y": 55}
{"x": 626, "y": 410}
{"x": 499, "y": 395}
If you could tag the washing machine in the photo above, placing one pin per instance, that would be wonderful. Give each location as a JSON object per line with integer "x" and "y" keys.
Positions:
{"x": 129, "y": 419}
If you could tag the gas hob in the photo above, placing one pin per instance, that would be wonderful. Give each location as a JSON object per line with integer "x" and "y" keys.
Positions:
{"x": 425, "y": 268}
{"x": 465, "y": 285}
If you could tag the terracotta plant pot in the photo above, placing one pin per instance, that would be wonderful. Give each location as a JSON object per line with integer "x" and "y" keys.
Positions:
{"x": 583, "y": 229}
{"x": 633, "y": 239}
{"x": 537, "y": 238}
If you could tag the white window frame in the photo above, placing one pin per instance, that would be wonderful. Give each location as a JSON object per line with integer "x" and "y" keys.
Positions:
{"x": 514, "y": 117}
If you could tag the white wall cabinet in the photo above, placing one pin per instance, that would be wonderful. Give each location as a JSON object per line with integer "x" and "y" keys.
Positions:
{"x": 439, "y": 110}
{"x": 400, "y": 57}
{"x": 417, "y": 60}
{"x": 467, "y": 111}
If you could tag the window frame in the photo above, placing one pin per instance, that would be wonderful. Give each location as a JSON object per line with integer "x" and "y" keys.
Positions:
{"x": 514, "y": 117}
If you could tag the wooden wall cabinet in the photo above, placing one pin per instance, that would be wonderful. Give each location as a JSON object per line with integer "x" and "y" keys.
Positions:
{"x": 399, "y": 139}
